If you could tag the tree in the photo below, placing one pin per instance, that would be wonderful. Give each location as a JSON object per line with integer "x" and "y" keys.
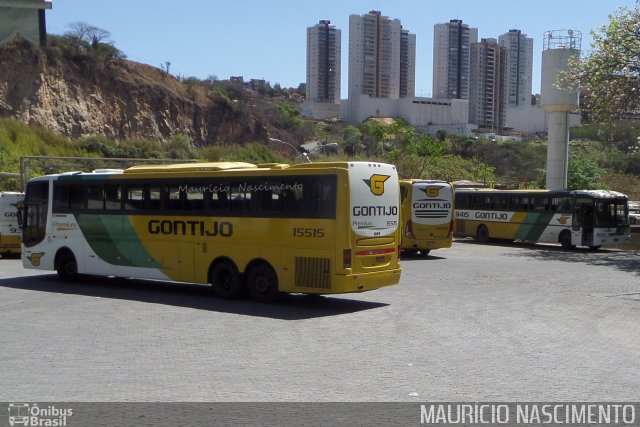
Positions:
{"x": 352, "y": 140}
{"x": 610, "y": 73}
{"x": 87, "y": 39}
{"x": 583, "y": 173}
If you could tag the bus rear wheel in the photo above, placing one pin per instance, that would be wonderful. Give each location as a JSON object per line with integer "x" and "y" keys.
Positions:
{"x": 565, "y": 240}
{"x": 482, "y": 234}
{"x": 263, "y": 283}
{"x": 67, "y": 267}
{"x": 225, "y": 280}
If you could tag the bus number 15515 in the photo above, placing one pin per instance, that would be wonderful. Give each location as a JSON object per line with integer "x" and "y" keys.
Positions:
{"x": 308, "y": 232}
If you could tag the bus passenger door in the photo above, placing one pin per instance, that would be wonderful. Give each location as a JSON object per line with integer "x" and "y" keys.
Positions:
{"x": 587, "y": 221}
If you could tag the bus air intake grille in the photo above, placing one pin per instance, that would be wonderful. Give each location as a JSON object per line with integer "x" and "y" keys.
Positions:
{"x": 313, "y": 273}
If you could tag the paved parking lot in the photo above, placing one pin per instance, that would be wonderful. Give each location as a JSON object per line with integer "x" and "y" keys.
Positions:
{"x": 475, "y": 322}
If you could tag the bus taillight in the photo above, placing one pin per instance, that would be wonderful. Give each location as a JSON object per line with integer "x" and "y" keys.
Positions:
{"x": 346, "y": 258}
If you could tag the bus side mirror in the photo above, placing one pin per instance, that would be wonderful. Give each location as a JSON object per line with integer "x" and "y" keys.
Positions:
{"x": 20, "y": 207}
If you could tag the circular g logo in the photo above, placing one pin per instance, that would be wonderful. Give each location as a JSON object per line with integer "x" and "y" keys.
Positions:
{"x": 376, "y": 183}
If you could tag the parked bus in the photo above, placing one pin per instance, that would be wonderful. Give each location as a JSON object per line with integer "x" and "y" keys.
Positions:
{"x": 10, "y": 231}
{"x": 317, "y": 228}
{"x": 426, "y": 214}
{"x": 572, "y": 218}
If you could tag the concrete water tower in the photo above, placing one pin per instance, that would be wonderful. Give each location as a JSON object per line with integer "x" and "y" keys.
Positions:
{"x": 559, "y": 47}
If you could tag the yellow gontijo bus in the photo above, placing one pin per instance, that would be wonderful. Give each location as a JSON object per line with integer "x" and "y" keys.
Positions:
{"x": 426, "y": 215}
{"x": 572, "y": 218}
{"x": 317, "y": 228}
{"x": 10, "y": 231}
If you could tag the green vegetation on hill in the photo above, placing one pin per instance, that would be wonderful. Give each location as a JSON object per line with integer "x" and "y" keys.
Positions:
{"x": 593, "y": 164}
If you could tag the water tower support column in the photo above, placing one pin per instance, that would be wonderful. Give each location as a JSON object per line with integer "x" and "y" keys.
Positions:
{"x": 557, "y": 150}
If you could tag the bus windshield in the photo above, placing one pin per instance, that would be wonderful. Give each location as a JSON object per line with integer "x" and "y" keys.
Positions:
{"x": 611, "y": 213}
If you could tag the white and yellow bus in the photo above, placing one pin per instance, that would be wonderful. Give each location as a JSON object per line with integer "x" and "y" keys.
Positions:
{"x": 572, "y": 218}
{"x": 426, "y": 215}
{"x": 318, "y": 228}
{"x": 10, "y": 231}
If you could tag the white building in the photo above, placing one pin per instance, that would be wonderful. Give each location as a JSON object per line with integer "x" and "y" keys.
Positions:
{"x": 323, "y": 71}
{"x": 381, "y": 57}
{"x": 428, "y": 114}
{"x": 452, "y": 59}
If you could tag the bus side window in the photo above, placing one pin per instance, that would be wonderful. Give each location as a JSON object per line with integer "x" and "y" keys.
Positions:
{"x": 76, "y": 197}
{"x": 95, "y": 197}
{"x": 289, "y": 202}
{"x": 112, "y": 197}
{"x": 174, "y": 198}
{"x": 220, "y": 201}
{"x": 60, "y": 198}
{"x": 238, "y": 200}
{"x": 540, "y": 203}
{"x": 152, "y": 198}
{"x": 133, "y": 198}
{"x": 194, "y": 197}
{"x": 462, "y": 201}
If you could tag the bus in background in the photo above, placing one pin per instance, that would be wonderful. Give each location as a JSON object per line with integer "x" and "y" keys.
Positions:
{"x": 426, "y": 215}
{"x": 572, "y": 218}
{"x": 10, "y": 231}
{"x": 316, "y": 228}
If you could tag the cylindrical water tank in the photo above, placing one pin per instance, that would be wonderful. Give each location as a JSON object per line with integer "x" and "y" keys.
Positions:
{"x": 559, "y": 47}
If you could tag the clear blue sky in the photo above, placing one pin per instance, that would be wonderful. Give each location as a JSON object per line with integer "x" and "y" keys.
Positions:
{"x": 267, "y": 39}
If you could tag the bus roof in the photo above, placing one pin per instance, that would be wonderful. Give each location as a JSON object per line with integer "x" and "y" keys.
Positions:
{"x": 601, "y": 194}
{"x": 415, "y": 180}
{"x": 191, "y": 167}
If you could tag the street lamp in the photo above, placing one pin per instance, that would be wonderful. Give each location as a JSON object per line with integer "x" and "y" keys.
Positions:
{"x": 279, "y": 141}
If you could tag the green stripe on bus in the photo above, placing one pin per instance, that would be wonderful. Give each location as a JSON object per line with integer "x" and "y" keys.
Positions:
{"x": 533, "y": 226}
{"x": 112, "y": 236}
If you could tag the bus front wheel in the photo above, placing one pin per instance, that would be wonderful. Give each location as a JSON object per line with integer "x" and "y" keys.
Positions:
{"x": 482, "y": 234}
{"x": 263, "y": 283}
{"x": 225, "y": 280}
{"x": 565, "y": 240}
{"x": 67, "y": 267}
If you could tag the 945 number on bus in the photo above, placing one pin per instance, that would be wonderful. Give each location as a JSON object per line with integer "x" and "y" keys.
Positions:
{"x": 308, "y": 232}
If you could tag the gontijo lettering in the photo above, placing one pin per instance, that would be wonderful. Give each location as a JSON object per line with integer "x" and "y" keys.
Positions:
{"x": 190, "y": 228}
{"x": 375, "y": 210}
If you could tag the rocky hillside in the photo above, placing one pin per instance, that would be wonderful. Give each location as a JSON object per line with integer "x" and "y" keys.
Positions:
{"x": 80, "y": 96}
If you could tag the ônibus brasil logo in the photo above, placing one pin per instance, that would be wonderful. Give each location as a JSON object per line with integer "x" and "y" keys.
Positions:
{"x": 25, "y": 414}
{"x": 376, "y": 183}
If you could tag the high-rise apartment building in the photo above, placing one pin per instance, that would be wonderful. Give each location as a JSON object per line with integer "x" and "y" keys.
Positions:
{"x": 323, "y": 63}
{"x": 519, "y": 67}
{"x": 487, "y": 89}
{"x": 381, "y": 57}
{"x": 452, "y": 59}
